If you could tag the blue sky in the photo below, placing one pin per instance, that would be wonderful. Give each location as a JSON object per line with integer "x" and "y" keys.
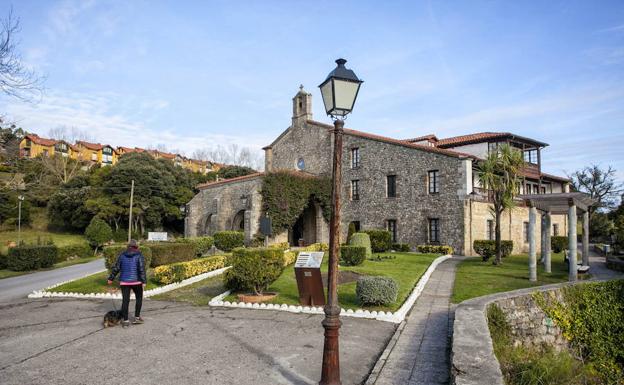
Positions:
{"x": 196, "y": 74}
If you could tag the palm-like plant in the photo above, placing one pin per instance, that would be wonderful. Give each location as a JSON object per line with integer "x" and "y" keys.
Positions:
{"x": 499, "y": 173}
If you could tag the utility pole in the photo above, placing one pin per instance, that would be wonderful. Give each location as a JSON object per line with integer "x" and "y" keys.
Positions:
{"x": 20, "y": 198}
{"x": 130, "y": 216}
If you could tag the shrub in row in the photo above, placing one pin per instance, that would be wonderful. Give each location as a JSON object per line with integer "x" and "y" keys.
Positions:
{"x": 558, "y": 243}
{"x": 435, "y": 249}
{"x": 362, "y": 239}
{"x": 31, "y": 257}
{"x": 112, "y": 252}
{"x": 254, "y": 269}
{"x": 81, "y": 250}
{"x": 487, "y": 248}
{"x": 316, "y": 247}
{"x": 401, "y": 247}
{"x": 376, "y": 290}
{"x": 289, "y": 257}
{"x": 165, "y": 253}
{"x": 381, "y": 240}
{"x": 280, "y": 245}
{"x": 229, "y": 240}
{"x": 179, "y": 271}
{"x": 202, "y": 244}
{"x": 352, "y": 255}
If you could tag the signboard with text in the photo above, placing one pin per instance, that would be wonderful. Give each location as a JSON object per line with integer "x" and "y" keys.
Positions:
{"x": 309, "y": 280}
{"x": 156, "y": 236}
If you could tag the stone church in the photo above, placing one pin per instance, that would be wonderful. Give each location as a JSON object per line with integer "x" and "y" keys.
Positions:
{"x": 423, "y": 190}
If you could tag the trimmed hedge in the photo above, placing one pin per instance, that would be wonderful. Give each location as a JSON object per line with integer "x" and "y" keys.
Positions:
{"x": 229, "y": 240}
{"x": 316, "y": 247}
{"x": 177, "y": 272}
{"x": 112, "y": 252}
{"x": 31, "y": 257}
{"x": 254, "y": 269}
{"x": 487, "y": 248}
{"x": 289, "y": 257}
{"x": 165, "y": 253}
{"x": 352, "y": 255}
{"x": 435, "y": 249}
{"x": 280, "y": 245}
{"x": 2, "y": 262}
{"x": 559, "y": 243}
{"x": 401, "y": 247}
{"x": 362, "y": 239}
{"x": 202, "y": 244}
{"x": 376, "y": 290}
{"x": 81, "y": 250}
{"x": 381, "y": 240}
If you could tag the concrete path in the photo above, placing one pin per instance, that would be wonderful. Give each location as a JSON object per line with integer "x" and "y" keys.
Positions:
{"x": 20, "y": 286}
{"x": 598, "y": 267}
{"x": 421, "y": 353}
{"x": 62, "y": 342}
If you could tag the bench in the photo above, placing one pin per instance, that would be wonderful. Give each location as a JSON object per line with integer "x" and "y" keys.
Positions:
{"x": 579, "y": 268}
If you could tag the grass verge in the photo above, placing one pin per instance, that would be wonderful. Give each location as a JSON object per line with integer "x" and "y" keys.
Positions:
{"x": 198, "y": 293}
{"x": 96, "y": 283}
{"x": 5, "y": 273}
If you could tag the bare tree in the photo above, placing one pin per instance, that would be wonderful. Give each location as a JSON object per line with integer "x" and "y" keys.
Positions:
{"x": 61, "y": 168}
{"x": 16, "y": 79}
{"x": 600, "y": 184}
{"x": 69, "y": 134}
{"x": 232, "y": 155}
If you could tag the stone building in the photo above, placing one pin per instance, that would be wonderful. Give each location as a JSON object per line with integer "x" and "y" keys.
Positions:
{"x": 424, "y": 190}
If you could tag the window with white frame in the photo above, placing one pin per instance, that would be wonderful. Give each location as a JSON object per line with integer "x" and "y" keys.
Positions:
{"x": 355, "y": 157}
{"x": 355, "y": 190}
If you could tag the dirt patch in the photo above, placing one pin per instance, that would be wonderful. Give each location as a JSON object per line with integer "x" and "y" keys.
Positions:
{"x": 343, "y": 277}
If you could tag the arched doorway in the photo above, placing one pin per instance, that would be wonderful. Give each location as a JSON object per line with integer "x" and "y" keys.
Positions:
{"x": 204, "y": 227}
{"x": 304, "y": 229}
{"x": 238, "y": 223}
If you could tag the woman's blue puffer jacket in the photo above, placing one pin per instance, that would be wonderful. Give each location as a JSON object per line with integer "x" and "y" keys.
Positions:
{"x": 130, "y": 266}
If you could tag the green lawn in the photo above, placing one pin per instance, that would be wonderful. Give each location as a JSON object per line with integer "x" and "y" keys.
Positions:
{"x": 406, "y": 269}
{"x": 95, "y": 283}
{"x": 475, "y": 278}
{"x": 198, "y": 293}
{"x": 76, "y": 261}
{"x": 31, "y": 236}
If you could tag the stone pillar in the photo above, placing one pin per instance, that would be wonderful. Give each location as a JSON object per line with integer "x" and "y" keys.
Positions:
{"x": 543, "y": 229}
{"x": 547, "y": 240}
{"x": 586, "y": 238}
{"x": 572, "y": 269}
{"x": 532, "y": 245}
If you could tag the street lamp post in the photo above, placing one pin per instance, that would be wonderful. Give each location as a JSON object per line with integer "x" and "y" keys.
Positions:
{"x": 339, "y": 92}
{"x": 20, "y": 198}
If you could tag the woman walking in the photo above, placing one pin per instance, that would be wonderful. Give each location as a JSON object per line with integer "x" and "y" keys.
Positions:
{"x": 130, "y": 266}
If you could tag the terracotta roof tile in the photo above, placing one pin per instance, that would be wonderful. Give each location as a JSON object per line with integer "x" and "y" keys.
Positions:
{"x": 481, "y": 137}
{"x": 231, "y": 180}
{"x": 90, "y": 146}
{"x": 430, "y": 137}
{"x": 41, "y": 141}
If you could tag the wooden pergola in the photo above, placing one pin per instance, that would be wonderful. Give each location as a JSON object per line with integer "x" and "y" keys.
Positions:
{"x": 561, "y": 203}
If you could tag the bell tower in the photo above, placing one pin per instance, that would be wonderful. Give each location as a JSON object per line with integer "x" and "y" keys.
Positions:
{"x": 302, "y": 106}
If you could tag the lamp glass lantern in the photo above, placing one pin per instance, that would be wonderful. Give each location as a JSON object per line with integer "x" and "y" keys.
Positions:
{"x": 340, "y": 90}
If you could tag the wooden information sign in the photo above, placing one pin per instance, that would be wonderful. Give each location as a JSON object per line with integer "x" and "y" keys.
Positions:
{"x": 309, "y": 281}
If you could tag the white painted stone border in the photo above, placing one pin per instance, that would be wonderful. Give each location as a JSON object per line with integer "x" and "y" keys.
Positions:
{"x": 44, "y": 293}
{"x": 396, "y": 317}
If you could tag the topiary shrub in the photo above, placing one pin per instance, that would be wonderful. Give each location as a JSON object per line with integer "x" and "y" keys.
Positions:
{"x": 98, "y": 233}
{"x": 31, "y": 257}
{"x": 81, "y": 250}
{"x": 180, "y": 271}
{"x": 202, "y": 244}
{"x": 316, "y": 247}
{"x": 112, "y": 252}
{"x": 435, "y": 249}
{"x": 487, "y": 248}
{"x": 376, "y": 290}
{"x": 350, "y": 231}
{"x": 254, "y": 269}
{"x": 381, "y": 240}
{"x": 229, "y": 240}
{"x": 352, "y": 255}
{"x": 361, "y": 239}
{"x": 165, "y": 253}
{"x": 506, "y": 248}
{"x": 558, "y": 243}
{"x": 401, "y": 247}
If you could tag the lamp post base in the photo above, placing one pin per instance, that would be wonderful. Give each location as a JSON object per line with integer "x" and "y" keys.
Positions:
{"x": 330, "y": 374}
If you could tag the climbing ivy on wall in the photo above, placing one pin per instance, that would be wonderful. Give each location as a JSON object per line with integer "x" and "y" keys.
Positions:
{"x": 287, "y": 194}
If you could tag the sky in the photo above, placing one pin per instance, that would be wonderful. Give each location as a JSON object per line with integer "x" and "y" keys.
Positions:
{"x": 196, "y": 74}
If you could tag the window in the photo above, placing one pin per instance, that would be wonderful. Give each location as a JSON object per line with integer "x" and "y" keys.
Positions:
{"x": 357, "y": 226}
{"x": 530, "y": 156}
{"x": 556, "y": 229}
{"x": 45, "y": 152}
{"x": 391, "y": 186}
{"x": 434, "y": 230}
{"x": 355, "y": 190}
{"x": 492, "y": 146}
{"x": 94, "y": 156}
{"x": 355, "y": 157}
{"x": 490, "y": 230}
{"x": 392, "y": 228}
{"x": 543, "y": 190}
{"x": 535, "y": 189}
{"x": 526, "y": 232}
{"x": 433, "y": 182}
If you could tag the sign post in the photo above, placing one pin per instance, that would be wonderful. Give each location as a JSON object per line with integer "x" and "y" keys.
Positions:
{"x": 309, "y": 280}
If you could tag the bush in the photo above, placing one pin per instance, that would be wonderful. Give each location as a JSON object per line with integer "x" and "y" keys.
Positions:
{"x": 316, "y": 247}
{"x": 401, "y": 247}
{"x": 121, "y": 235}
{"x": 558, "y": 244}
{"x": 435, "y": 249}
{"x": 289, "y": 257}
{"x": 229, "y": 240}
{"x": 350, "y": 231}
{"x": 376, "y": 290}
{"x": 361, "y": 239}
{"x": 179, "y": 271}
{"x": 381, "y": 240}
{"x": 487, "y": 248}
{"x": 165, "y": 253}
{"x": 31, "y": 257}
{"x": 280, "y": 245}
{"x": 81, "y": 250}
{"x": 254, "y": 269}
{"x": 202, "y": 244}
{"x": 3, "y": 262}
{"x": 98, "y": 233}
{"x": 112, "y": 252}
{"x": 352, "y": 255}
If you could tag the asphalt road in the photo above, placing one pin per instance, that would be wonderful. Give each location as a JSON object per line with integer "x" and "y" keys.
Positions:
{"x": 19, "y": 287}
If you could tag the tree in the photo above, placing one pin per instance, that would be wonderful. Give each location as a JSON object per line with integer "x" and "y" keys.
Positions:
{"x": 10, "y": 137}
{"x": 9, "y": 208}
{"x": 600, "y": 184}
{"x": 67, "y": 209}
{"x": 98, "y": 233}
{"x": 500, "y": 174}
{"x": 16, "y": 79}
{"x": 61, "y": 168}
{"x": 228, "y": 172}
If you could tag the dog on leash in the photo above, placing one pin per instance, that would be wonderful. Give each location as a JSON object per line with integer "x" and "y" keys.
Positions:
{"x": 112, "y": 318}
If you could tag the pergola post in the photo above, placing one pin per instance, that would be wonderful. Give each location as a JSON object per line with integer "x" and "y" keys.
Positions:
{"x": 572, "y": 242}
{"x": 532, "y": 245}
{"x": 586, "y": 238}
{"x": 543, "y": 238}
{"x": 548, "y": 246}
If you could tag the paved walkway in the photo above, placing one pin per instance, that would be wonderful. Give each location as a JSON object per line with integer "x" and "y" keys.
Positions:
{"x": 598, "y": 267}
{"x": 19, "y": 287}
{"x": 421, "y": 354}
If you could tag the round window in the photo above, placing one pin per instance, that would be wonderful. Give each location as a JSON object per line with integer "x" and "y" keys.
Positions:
{"x": 300, "y": 164}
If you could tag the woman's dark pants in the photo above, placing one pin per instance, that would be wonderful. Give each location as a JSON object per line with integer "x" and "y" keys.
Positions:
{"x": 125, "y": 302}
